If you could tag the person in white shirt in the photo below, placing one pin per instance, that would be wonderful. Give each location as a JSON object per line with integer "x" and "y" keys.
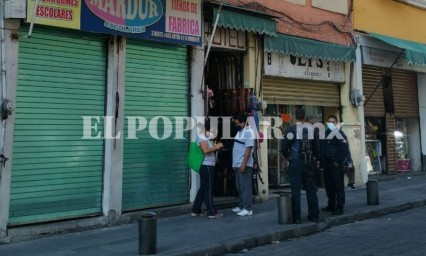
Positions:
{"x": 242, "y": 163}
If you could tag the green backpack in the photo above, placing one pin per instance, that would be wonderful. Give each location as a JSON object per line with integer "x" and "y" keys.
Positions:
{"x": 195, "y": 157}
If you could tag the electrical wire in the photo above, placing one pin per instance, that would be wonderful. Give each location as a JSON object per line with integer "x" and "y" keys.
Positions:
{"x": 263, "y": 8}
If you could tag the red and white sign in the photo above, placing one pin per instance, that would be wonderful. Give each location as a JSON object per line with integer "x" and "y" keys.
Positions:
{"x": 183, "y": 17}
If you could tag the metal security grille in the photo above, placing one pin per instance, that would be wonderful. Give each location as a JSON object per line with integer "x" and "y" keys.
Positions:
{"x": 300, "y": 92}
{"x": 371, "y": 77}
{"x": 55, "y": 173}
{"x": 155, "y": 173}
{"x": 405, "y": 93}
{"x": 390, "y": 144}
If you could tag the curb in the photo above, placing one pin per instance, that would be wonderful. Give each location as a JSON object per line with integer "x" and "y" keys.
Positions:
{"x": 243, "y": 243}
{"x": 48, "y": 229}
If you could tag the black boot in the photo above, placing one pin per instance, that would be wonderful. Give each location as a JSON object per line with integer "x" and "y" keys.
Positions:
{"x": 338, "y": 211}
{"x": 328, "y": 208}
{"x": 313, "y": 218}
{"x": 297, "y": 220}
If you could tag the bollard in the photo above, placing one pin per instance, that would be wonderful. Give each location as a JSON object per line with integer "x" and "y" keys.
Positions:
{"x": 372, "y": 192}
{"x": 285, "y": 214}
{"x": 148, "y": 234}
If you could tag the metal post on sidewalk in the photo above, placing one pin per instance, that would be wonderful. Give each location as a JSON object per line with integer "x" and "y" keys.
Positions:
{"x": 285, "y": 212}
{"x": 148, "y": 234}
{"x": 372, "y": 192}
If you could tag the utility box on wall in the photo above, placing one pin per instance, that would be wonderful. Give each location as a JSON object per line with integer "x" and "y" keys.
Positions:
{"x": 15, "y": 9}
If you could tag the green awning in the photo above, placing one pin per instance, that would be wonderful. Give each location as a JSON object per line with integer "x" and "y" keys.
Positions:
{"x": 415, "y": 52}
{"x": 245, "y": 22}
{"x": 308, "y": 48}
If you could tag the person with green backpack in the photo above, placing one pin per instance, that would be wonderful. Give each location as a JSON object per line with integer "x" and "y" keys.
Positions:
{"x": 206, "y": 171}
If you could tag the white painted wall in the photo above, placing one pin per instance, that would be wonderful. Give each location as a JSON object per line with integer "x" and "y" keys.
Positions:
{"x": 264, "y": 126}
{"x": 9, "y": 91}
{"x": 337, "y": 6}
{"x": 352, "y": 124}
{"x": 113, "y": 162}
{"x": 197, "y": 106}
{"x": 300, "y": 2}
{"x": 358, "y": 85}
{"x": 414, "y": 150}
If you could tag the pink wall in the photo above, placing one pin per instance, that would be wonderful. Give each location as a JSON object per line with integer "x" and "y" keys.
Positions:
{"x": 304, "y": 21}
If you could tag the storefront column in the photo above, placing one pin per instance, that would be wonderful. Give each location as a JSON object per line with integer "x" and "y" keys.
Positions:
{"x": 113, "y": 162}
{"x": 421, "y": 82}
{"x": 358, "y": 85}
{"x": 11, "y": 46}
{"x": 352, "y": 125}
{"x": 263, "y": 195}
{"x": 197, "y": 104}
{"x": 249, "y": 78}
{"x": 253, "y": 63}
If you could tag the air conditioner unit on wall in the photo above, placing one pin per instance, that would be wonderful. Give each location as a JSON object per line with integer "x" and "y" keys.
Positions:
{"x": 15, "y": 9}
{"x": 415, "y": 3}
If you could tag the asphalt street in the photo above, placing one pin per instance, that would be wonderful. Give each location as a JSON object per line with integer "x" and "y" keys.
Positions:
{"x": 403, "y": 233}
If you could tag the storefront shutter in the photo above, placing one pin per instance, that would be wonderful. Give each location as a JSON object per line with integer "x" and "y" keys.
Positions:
{"x": 155, "y": 173}
{"x": 300, "y": 92}
{"x": 371, "y": 77}
{"x": 405, "y": 93}
{"x": 55, "y": 173}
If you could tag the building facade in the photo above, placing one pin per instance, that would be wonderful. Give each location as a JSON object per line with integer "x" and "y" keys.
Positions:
{"x": 310, "y": 63}
{"x": 78, "y": 94}
{"x": 84, "y": 87}
{"x": 390, "y": 72}
{"x": 232, "y": 72}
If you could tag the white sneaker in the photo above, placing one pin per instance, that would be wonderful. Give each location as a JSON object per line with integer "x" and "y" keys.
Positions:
{"x": 236, "y": 210}
{"x": 244, "y": 212}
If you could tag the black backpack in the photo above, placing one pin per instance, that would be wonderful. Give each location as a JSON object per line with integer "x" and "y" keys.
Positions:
{"x": 305, "y": 145}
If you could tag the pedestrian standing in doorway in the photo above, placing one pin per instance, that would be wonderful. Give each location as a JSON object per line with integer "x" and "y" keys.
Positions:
{"x": 335, "y": 159}
{"x": 242, "y": 163}
{"x": 205, "y": 192}
{"x": 301, "y": 150}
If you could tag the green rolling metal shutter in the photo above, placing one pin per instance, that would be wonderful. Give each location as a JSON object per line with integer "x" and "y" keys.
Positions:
{"x": 56, "y": 174}
{"x": 155, "y": 173}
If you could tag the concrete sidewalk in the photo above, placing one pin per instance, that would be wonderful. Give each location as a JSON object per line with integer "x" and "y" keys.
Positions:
{"x": 186, "y": 235}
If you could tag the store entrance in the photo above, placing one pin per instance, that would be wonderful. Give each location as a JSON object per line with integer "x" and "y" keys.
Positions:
{"x": 277, "y": 165}
{"x": 227, "y": 98}
{"x": 402, "y": 155}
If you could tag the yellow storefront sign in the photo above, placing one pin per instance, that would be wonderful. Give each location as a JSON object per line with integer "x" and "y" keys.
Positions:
{"x": 58, "y": 13}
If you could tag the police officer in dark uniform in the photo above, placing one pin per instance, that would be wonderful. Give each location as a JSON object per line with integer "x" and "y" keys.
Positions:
{"x": 301, "y": 150}
{"x": 335, "y": 159}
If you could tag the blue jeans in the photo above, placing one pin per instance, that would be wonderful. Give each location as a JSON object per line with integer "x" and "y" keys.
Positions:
{"x": 244, "y": 187}
{"x": 205, "y": 193}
